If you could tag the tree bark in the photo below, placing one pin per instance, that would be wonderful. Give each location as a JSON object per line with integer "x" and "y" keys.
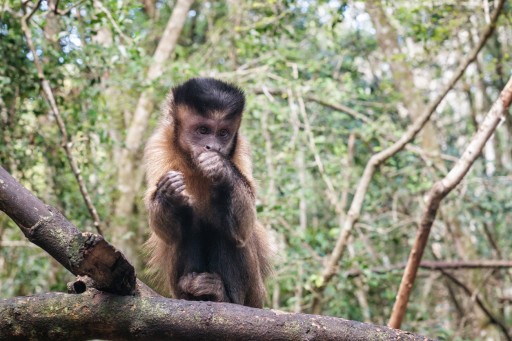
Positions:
{"x": 84, "y": 254}
{"x": 439, "y": 190}
{"x": 377, "y": 159}
{"x": 135, "y": 312}
{"x": 97, "y": 315}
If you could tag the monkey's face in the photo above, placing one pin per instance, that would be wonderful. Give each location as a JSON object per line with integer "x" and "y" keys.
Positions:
{"x": 198, "y": 134}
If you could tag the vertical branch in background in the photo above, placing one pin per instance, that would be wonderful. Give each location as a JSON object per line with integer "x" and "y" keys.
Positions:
{"x": 150, "y": 8}
{"x": 331, "y": 192}
{"x": 269, "y": 156}
{"x": 439, "y": 190}
{"x": 403, "y": 77}
{"x": 301, "y": 167}
{"x": 269, "y": 199}
{"x": 337, "y": 201}
{"x": 129, "y": 173}
{"x": 303, "y": 224}
{"x": 235, "y": 17}
{"x": 50, "y": 99}
{"x": 377, "y": 159}
{"x": 361, "y": 290}
{"x": 102, "y": 8}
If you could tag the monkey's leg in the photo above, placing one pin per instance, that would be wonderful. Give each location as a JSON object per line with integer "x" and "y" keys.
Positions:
{"x": 232, "y": 265}
{"x": 255, "y": 294}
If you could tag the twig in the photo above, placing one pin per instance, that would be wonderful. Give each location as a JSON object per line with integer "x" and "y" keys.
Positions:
{"x": 340, "y": 107}
{"x": 66, "y": 141}
{"x": 358, "y": 116}
{"x": 56, "y": 7}
{"x": 69, "y": 9}
{"x": 439, "y": 190}
{"x": 324, "y": 103}
{"x": 377, "y": 159}
{"x": 312, "y": 146}
{"x": 33, "y": 10}
{"x": 98, "y": 4}
{"x": 439, "y": 265}
{"x": 471, "y": 293}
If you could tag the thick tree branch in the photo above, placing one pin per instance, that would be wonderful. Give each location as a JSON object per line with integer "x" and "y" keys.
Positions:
{"x": 377, "y": 159}
{"x": 81, "y": 253}
{"x": 91, "y": 314}
{"x": 97, "y": 315}
{"x": 439, "y": 190}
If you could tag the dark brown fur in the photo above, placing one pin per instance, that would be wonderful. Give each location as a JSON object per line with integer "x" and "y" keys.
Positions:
{"x": 206, "y": 243}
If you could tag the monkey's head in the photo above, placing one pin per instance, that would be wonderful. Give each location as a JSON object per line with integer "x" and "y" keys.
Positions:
{"x": 207, "y": 114}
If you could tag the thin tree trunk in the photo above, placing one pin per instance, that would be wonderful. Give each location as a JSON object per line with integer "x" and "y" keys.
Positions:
{"x": 377, "y": 159}
{"x": 402, "y": 75}
{"x": 440, "y": 189}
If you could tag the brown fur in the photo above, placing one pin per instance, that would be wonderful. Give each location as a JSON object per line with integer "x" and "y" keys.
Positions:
{"x": 161, "y": 156}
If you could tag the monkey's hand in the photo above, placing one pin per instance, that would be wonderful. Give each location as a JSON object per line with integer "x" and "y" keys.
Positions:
{"x": 171, "y": 189}
{"x": 215, "y": 166}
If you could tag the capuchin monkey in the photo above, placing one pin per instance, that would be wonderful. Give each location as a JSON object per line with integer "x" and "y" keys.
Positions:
{"x": 205, "y": 240}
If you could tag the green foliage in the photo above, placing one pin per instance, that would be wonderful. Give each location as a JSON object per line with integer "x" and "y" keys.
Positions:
{"x": 283, "y": 53}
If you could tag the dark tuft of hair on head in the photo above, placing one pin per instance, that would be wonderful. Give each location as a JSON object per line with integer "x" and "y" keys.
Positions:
{"x": 207, "y": 95}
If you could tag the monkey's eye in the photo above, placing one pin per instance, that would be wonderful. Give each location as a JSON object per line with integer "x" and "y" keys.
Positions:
{"x": 202, "y": 130}
{"x": 223, "y": 133}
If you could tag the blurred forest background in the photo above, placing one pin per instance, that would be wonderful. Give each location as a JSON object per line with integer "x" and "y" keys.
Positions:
{"x": 328, "y": 84}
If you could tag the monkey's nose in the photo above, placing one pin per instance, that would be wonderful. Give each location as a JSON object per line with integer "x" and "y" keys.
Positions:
{"x": 213, "y": 147}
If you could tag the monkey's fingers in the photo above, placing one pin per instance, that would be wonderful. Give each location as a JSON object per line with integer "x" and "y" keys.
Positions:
{"x": 170, "y": 176}
{"x": 213, "y": 165}
{"x": 175, "y": 175}
{"x": 210, "y": 157}
{"x": 179, "y": 189}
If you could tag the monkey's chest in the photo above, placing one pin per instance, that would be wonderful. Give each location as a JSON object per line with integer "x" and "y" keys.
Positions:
{"x": 207, "y": 247}
{"x": 200, "y": 193}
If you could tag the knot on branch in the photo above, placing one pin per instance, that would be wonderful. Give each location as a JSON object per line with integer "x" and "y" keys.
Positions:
{"x": 91, "y": 255}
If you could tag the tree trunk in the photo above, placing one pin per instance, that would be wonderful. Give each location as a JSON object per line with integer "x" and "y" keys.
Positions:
{"x": 402, "y": 75}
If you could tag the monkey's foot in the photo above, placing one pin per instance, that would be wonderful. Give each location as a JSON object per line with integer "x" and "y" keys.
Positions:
{"x": 202, "y": 286}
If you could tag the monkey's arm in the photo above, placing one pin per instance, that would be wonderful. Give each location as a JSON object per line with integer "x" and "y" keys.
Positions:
{"x": 232, "y": 198}
{"x": 169, "y": 207}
